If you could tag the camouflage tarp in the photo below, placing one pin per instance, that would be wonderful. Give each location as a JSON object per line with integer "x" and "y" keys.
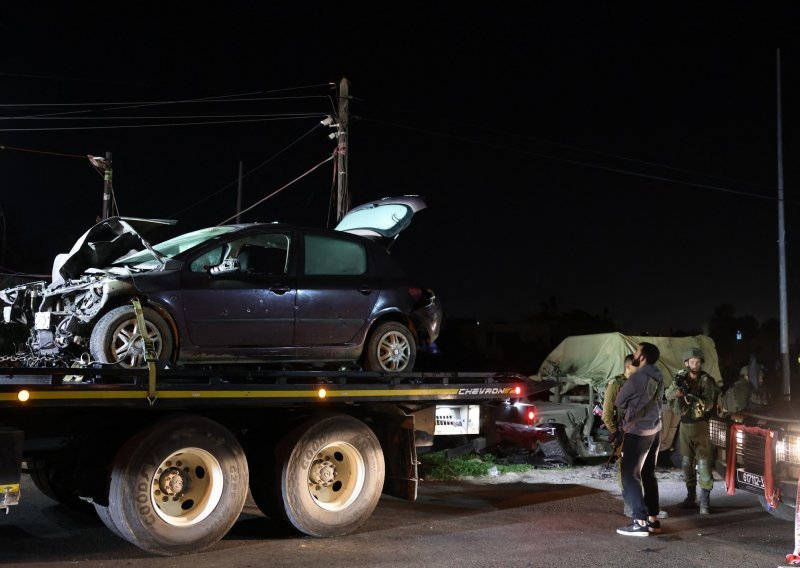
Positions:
{"x": 595, "y": 359}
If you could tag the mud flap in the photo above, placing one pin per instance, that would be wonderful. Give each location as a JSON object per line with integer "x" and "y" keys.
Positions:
{"x": 396, "y": 434}
{"x": 10, "y": 462}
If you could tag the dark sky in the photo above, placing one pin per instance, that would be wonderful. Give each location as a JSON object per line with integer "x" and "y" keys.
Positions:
{"x": 613, "y": 156}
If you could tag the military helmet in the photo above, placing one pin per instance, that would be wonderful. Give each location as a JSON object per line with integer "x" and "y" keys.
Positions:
{"x": 744, "y": 372}
{"x": 693, "y": 352}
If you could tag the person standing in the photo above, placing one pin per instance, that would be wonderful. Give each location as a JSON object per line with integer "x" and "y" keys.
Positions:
{"x": 612, "y": 416}
{"x": 640, "y": 397}
{"x": 693, "y": 396}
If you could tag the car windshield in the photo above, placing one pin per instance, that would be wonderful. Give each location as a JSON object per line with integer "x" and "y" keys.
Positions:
{"x": 174, "y": 246}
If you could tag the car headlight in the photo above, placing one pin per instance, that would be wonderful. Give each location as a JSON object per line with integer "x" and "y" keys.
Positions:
{"x": 788, "y": 449}
{"x": 718, "y": 431}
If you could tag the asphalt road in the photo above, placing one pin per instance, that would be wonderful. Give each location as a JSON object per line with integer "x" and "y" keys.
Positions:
{"x": 566, "y": 519}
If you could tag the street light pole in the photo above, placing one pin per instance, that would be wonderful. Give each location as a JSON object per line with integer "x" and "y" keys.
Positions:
{"x": 786, "y": 391}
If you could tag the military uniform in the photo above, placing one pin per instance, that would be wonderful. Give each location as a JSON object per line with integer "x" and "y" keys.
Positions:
{"x": 694, "y": 438}
{"x": 736, "y": 398}
{"x": 612, "y": 416}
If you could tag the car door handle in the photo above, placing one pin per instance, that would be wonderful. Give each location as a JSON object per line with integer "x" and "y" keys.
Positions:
{"x": 366, "y": 291}
{"x": 279, "y": 290}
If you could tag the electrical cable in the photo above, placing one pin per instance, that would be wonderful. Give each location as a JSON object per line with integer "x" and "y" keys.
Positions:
{"x": 575, "y": 162}
{"x": 277, "y": 191}
{"x": 245, "y": 175}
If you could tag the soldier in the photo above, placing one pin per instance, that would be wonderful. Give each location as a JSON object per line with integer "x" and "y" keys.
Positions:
{"x": 737, "y": 396}
{"x": 612, "y": 417}
{"x": 693, "y": 396}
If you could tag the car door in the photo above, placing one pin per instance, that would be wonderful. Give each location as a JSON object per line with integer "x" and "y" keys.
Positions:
{"x": 336, "y": 290}
{"x": 242, "y": 294}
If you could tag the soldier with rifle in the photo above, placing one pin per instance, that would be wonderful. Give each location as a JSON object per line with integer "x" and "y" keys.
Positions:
{"x": 612, "y": 418}
{"x": 693, "y": 396}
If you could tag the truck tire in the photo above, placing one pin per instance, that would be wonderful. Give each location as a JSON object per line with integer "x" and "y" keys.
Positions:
{"x": 783, "y": 511}
{"x": 116, "y": 338}
{"x": 331, "y": 475}
{"x": 105, "y": 515}
{"x": 391, "y": 348}
{"x": 178, "y": 486}
{"x": 56, "y": 480}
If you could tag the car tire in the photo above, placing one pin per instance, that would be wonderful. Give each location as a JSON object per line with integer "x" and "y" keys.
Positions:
{"x": 391, "y": 348}
{"x": 116, "y": 339}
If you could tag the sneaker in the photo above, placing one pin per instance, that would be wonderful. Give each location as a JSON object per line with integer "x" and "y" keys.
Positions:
{"x": 635, "y": 529}
{"x": 654, "y": 526}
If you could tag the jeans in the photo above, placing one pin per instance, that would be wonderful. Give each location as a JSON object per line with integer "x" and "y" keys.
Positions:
{"x": 639, "y": 454}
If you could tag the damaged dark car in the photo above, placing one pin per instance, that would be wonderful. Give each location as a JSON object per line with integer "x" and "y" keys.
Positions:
{"x": 268, "y": 293}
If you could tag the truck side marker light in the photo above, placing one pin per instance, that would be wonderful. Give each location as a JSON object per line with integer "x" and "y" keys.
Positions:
{"x": 323, "y": 393}
{"x": 23, "y": 396}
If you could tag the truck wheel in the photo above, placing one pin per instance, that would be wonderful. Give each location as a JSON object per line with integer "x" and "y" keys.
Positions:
{"x": 105, "y": 515}
{"x": 391, "y": 348}
{"x": 56, "y": 479}
{"x": 783, "y": 511}
{"x": 179, "y": 486}
{"x": 116, "y": 338}
{"x": 331, "y": 475}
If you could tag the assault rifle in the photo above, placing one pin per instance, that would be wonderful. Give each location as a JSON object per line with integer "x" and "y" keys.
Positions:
{"x": 688, "y": 393}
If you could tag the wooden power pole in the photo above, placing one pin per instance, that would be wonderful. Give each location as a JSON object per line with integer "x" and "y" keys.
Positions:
{"x": 107, "y": 186}
{"x": 342, "y": 195}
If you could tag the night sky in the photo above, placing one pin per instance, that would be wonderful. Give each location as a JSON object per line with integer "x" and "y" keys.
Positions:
{"x": 614, "y": 157}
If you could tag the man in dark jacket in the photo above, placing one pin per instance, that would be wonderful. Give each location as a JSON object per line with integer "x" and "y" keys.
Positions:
{"x": 641, "y": 397}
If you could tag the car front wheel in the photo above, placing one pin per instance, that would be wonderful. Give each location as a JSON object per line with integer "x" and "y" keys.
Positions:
{"x": 117, "y": 339}
{"x": 391, "y": 348}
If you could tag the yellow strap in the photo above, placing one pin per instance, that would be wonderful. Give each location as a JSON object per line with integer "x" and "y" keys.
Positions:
{"x": 149, "y": 352}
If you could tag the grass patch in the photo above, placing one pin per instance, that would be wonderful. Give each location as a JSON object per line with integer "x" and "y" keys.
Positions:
{"x": 437, "y": 466}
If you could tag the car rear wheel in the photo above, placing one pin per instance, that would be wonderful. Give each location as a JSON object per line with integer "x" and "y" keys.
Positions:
{"x": 116, "y": 339}
{"x": 391, "y": 348}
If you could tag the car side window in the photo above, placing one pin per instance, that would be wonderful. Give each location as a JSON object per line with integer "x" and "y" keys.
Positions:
{"x": 203, "y": 262}
{"x": 333, "y": 256}
{"x": 262, "y": 254}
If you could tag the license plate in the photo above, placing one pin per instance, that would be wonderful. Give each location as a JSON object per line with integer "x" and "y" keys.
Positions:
{"x": 750, "y": 479}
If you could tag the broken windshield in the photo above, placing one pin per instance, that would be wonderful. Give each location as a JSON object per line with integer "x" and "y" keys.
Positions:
{"x": 174, "y": 246}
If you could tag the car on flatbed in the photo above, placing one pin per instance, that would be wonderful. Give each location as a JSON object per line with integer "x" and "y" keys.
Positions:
{"x": 262, "y": 292}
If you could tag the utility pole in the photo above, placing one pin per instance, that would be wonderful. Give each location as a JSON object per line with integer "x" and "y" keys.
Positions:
{"x": 107, "y": 186}
{"x": 239, "y": 196}
{"x": 782, "y": 246}
{"x": 342, "y": 195}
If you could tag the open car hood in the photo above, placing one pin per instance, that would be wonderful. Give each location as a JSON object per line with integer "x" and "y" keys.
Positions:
{"x": 104, "y": 243}
{"x": 384, "y": 218}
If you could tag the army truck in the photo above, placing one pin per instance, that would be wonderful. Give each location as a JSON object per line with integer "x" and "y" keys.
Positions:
{"x": 758, "y": 450}
{"x": 567, "y": 414}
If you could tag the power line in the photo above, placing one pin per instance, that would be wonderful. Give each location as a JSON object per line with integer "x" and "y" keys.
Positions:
{"x": 44, "y": 152}
{"x": 126, "y": 126}
{"x": 575, "y": 162}
{"x": 277, "y": 191}
{"x": 245, "y": 175}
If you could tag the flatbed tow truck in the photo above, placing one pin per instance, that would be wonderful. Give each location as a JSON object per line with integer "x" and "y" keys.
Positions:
{"x": 166, "y": 456}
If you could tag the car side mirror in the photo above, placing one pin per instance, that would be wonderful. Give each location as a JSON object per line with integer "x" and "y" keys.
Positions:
{"x": 228, "y": 265}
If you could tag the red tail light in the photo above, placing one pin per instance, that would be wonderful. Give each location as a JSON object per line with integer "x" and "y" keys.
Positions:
{"x": 415, "y": 293}
{"x": 531, "y": 416}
